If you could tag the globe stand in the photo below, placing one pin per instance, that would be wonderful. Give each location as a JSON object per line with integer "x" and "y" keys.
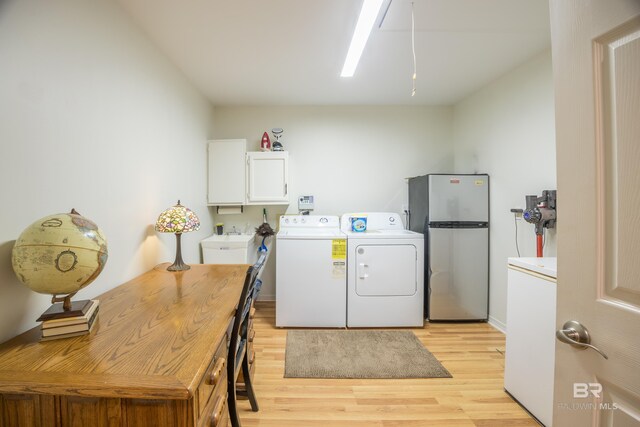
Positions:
{"x": 66, "y": 309}
{"x": 66, "y": 301}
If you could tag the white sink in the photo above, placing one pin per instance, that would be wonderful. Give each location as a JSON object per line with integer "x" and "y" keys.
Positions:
{"x": 231, "y": 238}
{"x": 229, "y": 249}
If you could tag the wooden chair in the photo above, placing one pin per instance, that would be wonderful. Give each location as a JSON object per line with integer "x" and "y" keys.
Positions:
{"x": 238, "y": 357}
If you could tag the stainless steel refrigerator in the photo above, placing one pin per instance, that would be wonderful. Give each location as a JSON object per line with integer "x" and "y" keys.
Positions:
{"x": 453, "y": 213}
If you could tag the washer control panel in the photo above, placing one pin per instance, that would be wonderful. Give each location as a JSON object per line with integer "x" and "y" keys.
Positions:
{"x": 309, "y": 221}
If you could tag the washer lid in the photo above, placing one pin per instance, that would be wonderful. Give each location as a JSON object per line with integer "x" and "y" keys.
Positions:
{"x": 311, "y": 233}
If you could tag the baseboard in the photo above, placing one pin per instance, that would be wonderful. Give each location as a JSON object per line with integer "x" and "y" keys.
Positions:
{"x": 502, "y": 327}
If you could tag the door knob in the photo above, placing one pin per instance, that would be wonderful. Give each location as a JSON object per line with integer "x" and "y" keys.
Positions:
{"x": 576, "y": 335}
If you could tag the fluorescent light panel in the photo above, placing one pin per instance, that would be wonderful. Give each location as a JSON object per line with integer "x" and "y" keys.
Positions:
{"x": 368, "y": 15}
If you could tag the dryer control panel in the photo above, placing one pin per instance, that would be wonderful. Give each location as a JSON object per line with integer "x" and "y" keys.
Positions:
{"x": 375, "y": 220}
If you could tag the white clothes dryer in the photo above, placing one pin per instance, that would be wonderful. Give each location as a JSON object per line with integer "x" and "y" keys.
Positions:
{"x": 385, "y": 271}
{"x": 311, "y": 272}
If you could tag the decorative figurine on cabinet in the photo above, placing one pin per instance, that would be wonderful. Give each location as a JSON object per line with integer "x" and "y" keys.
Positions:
{"x": 277, "y": 133}
{"x": 265, "y": 143}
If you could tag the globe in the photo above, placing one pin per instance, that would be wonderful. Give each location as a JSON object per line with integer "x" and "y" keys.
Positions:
{"x": 59, "y": 254}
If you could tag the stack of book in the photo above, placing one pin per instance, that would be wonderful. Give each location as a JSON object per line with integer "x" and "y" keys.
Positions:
{"x": 65, "y": 327}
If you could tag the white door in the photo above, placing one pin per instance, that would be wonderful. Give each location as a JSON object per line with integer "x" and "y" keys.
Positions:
{"x": 596, "y": 64}
{"x": 386, "y": 270}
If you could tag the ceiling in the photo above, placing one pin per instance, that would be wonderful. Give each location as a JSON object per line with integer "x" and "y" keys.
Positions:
{"x": 291, "y": 52}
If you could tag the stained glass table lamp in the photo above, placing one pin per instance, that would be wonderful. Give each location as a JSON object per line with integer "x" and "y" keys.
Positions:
{"x": 178, "y": 219}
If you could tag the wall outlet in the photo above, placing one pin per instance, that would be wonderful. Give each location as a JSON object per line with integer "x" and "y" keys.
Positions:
{"x": 517, "y": 212}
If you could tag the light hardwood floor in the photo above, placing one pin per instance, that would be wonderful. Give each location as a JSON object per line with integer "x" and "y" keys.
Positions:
{"x": 473, "y": 354}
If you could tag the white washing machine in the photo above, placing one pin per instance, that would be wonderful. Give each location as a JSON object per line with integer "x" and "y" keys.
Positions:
{"x": 311, "y": 272}
{"x": 385, "y": 272}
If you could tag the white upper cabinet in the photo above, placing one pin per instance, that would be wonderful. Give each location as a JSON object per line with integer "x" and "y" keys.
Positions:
{"x": 237, "y": 177}
{"x": 226, "y": 172}
{"x": 267, "y": 178}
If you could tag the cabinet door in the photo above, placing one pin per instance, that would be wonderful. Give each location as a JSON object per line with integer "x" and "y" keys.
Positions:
{"x": 226, "y": 172}
{"x": 28, "y": 410}
{"x": 267, "y": 178}
{"x": 159, "y": 413}
{"x": 90, "y": 411}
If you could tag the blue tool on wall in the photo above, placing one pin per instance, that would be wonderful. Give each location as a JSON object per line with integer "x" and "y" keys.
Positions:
{"x": 264, "y": 231}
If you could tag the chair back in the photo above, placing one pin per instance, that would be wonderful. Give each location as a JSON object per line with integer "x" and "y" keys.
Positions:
{"x": 248, "y": 294}
{"x": 238, "y": 339}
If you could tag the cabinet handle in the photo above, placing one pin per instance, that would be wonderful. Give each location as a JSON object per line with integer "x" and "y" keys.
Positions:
{"x": 362, "y": 275}
{"x": 285, "y": 189}
{"x": 217, "y": 371}
{"x": 218, "y": 409}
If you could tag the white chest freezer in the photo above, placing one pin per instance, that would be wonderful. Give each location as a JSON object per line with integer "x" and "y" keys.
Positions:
{"x": 531, "y": 327}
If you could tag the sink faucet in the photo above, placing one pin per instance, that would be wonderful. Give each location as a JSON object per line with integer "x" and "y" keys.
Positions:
{"x": 234, "y": 231}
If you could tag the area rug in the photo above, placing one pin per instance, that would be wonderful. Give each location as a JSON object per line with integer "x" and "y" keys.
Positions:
{"x": 359, "y": 354}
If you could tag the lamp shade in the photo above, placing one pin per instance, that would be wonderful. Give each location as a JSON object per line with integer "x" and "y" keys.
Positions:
{"x": 177, "y": 219}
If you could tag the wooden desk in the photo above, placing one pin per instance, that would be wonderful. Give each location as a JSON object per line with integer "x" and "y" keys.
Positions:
{"x": 155, "y": 357}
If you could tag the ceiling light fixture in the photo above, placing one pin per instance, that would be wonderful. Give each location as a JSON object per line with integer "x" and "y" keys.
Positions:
{"x": 413, "y": 49}
{"x": 368, "y": 15}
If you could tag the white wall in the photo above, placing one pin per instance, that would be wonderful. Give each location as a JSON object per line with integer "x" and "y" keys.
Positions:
{"x": 507, "y": 129}
{"x": 93, "y": 118}
{"x": 350, "y": 158}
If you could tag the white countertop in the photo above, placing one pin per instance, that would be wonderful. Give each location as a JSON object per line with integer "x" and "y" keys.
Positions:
{"x": 546, "y": 265}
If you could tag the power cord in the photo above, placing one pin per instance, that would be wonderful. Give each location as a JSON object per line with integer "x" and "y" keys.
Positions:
{"x": 515, "y": 222}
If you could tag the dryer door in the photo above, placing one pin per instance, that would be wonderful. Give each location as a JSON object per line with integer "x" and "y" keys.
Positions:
{"x": 386, "y": 270}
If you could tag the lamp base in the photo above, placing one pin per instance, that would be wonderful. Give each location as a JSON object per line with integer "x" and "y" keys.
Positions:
{"x": 178, "y": 267}
{"x": 178, "y": 264}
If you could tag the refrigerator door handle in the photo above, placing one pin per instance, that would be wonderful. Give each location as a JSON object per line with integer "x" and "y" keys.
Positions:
{"x": 361, "y": 274}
